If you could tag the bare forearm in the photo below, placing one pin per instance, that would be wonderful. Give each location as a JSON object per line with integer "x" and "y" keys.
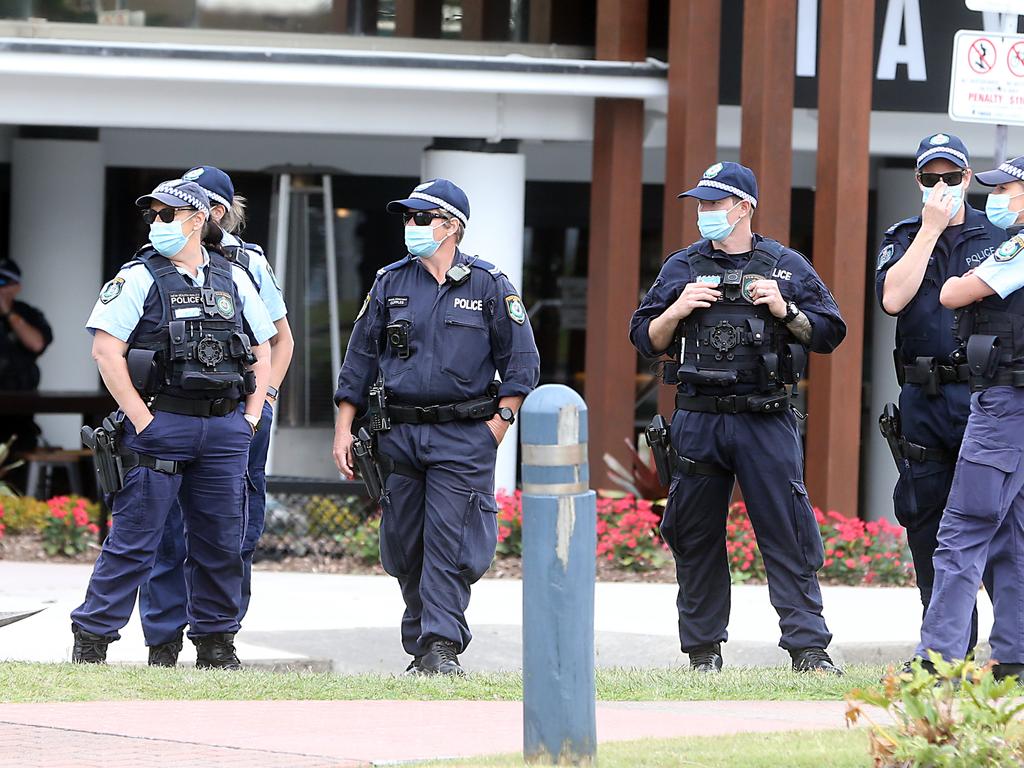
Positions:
{"x": 903, "y": 280}
{"x": 514, "y": 402}
{"x": 346, "y": 415}
{"x": 662, "y": 330}
{"x": 961, "y": 291}
{"x": 254, "y": 402}
{"x": 114, "y": 372}
{"x": 282, "y": 346}
{"x": 800, "y": 326}
{"x": 30, "y": 336}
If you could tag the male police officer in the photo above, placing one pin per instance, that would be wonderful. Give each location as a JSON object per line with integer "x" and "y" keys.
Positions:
{"x": 436, "y": 325}
{"x": 171, "y": 339}
{"x": 162, "y": 599}
{"x": 742, "y": 310}
{"x": 916, "y": 257}
{"x": 24, "y": 336}
{"x": 984, "y": 516}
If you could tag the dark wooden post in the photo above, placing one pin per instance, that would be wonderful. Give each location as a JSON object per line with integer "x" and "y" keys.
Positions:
{"x": 694, "y": 31}
{"x": 613, "y": 276}
{"x": 486, "y": 19}
{"x": 417, "y": 18}
{"x": 840, "y": 248}
{"x": 354, "y": 17}
{"x": 769, "y": 59}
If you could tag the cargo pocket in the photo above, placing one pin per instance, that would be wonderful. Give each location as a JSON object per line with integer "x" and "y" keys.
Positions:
{"x": 466, "y": 345}
{"x": 479, "y": 536}
{"x": 392, "y": 552}
{"x": 808, "y": 534}
{"x": 985, "y": 481}
{"x": 904, "y": 500}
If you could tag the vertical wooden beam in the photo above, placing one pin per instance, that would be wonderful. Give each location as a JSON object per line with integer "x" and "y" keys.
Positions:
{"x": 769, "y": 60}
{"x": 613, "y": 284}
{"x": 540, "y": 18}
{"x": 565, "y": 22}
{"x": 840, "y": 248}
{"x": 354, "y": 17}
{"x": 486, "y": 19}
{"x": 694, "y": 33}
{"x": 418, "y": 18}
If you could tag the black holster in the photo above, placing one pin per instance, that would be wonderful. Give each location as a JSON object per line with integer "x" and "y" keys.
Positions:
{"x": 983, "y": 355}
{"x": 104, "y": 450}
{"x": 369, "y": 471}
{"x": 658, "y": 438}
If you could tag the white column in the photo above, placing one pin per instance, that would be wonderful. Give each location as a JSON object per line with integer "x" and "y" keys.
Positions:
{"x": 57, "y": 209}
{"x": 898, "y": 198}
{"x": 495, "y": 183}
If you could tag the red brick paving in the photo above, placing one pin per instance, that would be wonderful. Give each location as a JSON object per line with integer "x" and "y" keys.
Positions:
{"x": 304, "y": 734}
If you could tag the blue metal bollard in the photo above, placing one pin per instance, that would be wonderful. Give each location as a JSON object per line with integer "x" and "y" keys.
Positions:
{"x": 559, "y": 541}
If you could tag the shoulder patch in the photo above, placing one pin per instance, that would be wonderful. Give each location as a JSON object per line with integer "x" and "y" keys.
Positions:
{"x": 1009, "y": 250}
{"x": 516, "y": 310}
{"x": 905, "y": 222}
{"x": 225, "y": 305}
{"x": 884, "y": 255}
{"x": 362, "y": 309}
{"x": 111, "y": 290}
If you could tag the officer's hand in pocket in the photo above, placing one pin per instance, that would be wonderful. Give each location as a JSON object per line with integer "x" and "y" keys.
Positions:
{"x": 142, "y": 423}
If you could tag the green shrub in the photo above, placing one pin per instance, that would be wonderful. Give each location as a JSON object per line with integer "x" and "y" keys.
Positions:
{"x": 67, "y": 530}
{"x": 328, "y": 518}
{"x": 960, "y": 717}
{"x": 23, "y": 514}
{"x": 363, "y": 542}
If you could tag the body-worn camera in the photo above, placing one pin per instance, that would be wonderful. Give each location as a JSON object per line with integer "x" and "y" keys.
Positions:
{"x": 398, "y": 338}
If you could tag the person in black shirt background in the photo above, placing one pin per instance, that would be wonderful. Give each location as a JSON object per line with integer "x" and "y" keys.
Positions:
{"x": 24, "y": 336}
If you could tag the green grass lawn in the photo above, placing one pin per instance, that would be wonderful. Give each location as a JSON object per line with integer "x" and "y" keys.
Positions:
{"x": 818, "y": 749}
{"x": 21, "y": 682}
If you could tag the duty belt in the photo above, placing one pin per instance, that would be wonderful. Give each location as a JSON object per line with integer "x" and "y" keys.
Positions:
{"x": 1004, "y": 377}
{"x": 919, "y": 453}
{"x": 479, "y": 408}
{"x": 775, "y": 403}
{"x": 220, "y": 406}
{"x": 924, "y": 372}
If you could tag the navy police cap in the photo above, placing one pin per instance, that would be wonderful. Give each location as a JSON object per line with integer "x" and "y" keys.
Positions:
{"x": 435, "y": 193}
{"x": 9, "y": 272}
{"x": 177, "y": 192}
{"x": 942, "y": 145}
{"x": 1010, "y": 171}
{"x": 724, "y": 179}
{"x": 216, "y": 183}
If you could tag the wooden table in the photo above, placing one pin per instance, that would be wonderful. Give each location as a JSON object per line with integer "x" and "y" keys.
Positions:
{"x": 91, "y": 404}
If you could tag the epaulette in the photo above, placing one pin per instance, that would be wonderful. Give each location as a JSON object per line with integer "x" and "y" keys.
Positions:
{"x": 393, "y": 266}
{"x": 906, "y": 222}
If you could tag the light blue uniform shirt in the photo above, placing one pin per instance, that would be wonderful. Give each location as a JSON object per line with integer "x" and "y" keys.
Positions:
{"x": 119, "y": 315}
{"x": 1004, "y": 271}
{"x": 266, "y": 281}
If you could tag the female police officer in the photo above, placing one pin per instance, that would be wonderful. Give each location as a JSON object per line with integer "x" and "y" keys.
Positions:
{"x": 984, "y": 516}
{"x": 170, "y": 343}
{"x": 162, "y": 598}
{"x": 437, "y": 325}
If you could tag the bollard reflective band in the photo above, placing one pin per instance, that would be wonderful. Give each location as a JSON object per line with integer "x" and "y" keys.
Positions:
{"x": 554, "y": 455}
{"x": 554, "y": 488}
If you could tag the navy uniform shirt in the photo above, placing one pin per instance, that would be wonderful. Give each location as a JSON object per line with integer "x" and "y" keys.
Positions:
{"x": 459, "y": 336}
{"x": 18, "y": 369}
{"x": 924, "y": 327}
{"x": 798, "y": 282}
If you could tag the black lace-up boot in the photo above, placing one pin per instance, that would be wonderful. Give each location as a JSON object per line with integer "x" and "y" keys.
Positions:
{"x": 216, "y": 651}
{"x": 441, "y": 659}
{"x": 165, "y": 654}
{"x": 814, "y": 660}
{"x": 89, "y": 648}
{"x": 706, "y": 658}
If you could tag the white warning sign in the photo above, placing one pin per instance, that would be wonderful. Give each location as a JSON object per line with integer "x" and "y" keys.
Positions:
{"x": 987, "y": 81}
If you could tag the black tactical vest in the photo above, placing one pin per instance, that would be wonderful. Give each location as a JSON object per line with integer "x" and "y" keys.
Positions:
{"x": 994, "y": 333}
{"x": 196, "y": 349}
{"x": 734, "y": 343}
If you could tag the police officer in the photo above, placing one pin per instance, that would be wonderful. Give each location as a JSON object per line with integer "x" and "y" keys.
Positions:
{"x": 916, "y": 257}
{"x": 162, "y": 598}
{"x": 437, "y": 325}
{"x": 170, "y": 339}
{"x": 737, "y": 312}
{"x": 24, "y": 336}
{"x": 985, "y": 511}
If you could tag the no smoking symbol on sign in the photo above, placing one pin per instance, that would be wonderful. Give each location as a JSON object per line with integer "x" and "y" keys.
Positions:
{"x": 982, "y": 56}
{"x": 1015, "y": 59}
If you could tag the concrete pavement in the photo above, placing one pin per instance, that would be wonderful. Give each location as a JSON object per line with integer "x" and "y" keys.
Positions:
{"x": 350, "y": 623}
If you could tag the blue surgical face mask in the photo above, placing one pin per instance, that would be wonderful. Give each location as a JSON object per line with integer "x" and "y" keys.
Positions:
{"x": 997, "y": 208}
{"x": 420, "y": 241}
{"x": 957, "y": 193}
{"x": 168, "y": 239}
{"x": 714, "y": 225}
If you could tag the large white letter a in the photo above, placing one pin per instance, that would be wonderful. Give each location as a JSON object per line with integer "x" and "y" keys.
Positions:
{"x": 902, "y": 15}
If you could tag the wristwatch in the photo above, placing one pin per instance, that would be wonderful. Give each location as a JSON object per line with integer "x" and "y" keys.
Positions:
{"x": 254, "y": 422}
{"x": 507, "y": 414}
{"x": 273, "y": 392}
{"x": 792, "y": 310}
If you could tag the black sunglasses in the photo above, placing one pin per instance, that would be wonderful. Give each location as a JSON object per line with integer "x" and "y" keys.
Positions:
{"x": 952, "y": 179}
{"x": 422, "y": 218}
{"x": 166, "y": 215}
